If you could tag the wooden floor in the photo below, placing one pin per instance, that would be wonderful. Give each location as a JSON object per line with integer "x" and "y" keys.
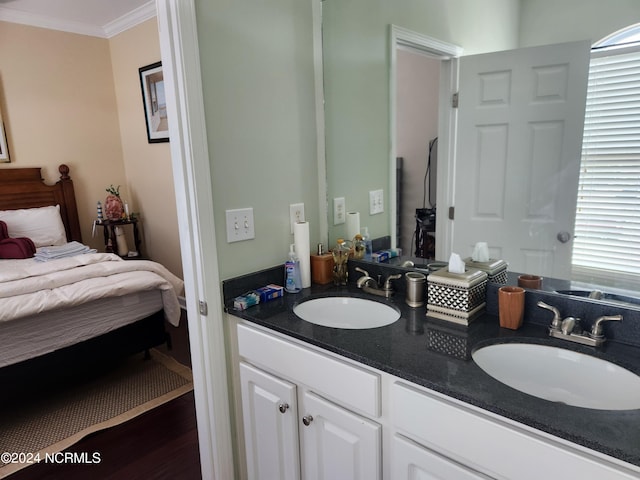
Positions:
{"x": 159, "y": 444}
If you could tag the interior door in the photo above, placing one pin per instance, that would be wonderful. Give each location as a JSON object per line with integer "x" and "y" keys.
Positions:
{"x": 518, "y": 147}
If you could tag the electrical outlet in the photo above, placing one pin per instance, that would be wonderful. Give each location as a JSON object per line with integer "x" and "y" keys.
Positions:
{"x": 339, "y": 212}
{"x": 376, "y": 202}
{"x": 240, "y": 225}
{"x": 296, "y": 214}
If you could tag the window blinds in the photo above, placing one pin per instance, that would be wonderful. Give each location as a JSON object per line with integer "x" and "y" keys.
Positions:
{"x": 607, "y": 229}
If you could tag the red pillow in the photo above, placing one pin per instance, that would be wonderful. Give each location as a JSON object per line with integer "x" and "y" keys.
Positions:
{"x": 15, "y": 247}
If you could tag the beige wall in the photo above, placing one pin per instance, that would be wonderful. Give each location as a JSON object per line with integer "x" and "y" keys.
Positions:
{"x": 149, "y": 177}
{"x": 58, "y": 102}
{"x": 75, "y": 99}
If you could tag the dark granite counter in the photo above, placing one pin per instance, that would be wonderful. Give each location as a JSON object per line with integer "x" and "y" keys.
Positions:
{"x": 437, "y": 355}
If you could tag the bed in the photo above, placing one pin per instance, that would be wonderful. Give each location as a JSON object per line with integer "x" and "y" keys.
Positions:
{"x": 73, "y": 313}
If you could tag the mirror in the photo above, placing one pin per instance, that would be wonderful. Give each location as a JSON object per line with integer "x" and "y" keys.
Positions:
{"x": 357, "y": 89}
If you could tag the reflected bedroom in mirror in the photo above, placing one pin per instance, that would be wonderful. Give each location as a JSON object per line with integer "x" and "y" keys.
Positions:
{"x": 503, "y": 139}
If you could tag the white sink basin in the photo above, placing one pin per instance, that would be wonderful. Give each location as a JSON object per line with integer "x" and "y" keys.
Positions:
{"x": 346, "y": 312}
{"x": 561, "y": 375}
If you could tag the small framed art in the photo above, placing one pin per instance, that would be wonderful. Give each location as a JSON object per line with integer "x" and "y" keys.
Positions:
{"x": 154, "y": 102}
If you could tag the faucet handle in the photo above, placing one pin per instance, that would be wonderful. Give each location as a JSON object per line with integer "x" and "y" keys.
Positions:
{"x": 387, "y": 282}
{"x": 596, "y": 329}
{"x": 556, "y": 323}
{"x": 363, "y": 271}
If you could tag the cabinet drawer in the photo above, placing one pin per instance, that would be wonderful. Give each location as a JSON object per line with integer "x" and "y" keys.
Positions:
{"x": 346, "y": 384}
{"x": 490, "y": 445}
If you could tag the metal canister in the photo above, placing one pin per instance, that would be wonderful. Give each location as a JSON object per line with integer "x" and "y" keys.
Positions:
{"x": 416, "y": 288}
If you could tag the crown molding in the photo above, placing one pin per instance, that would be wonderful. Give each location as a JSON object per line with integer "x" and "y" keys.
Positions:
{"x": 34, "y": 20}
{"x": 127, "y": 21}
{"x": 131, "y": 19}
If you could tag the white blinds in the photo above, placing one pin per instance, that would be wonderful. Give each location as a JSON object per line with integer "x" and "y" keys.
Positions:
{"x": 607, "y": 230}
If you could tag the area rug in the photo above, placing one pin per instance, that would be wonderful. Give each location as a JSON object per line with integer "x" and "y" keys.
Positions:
{"x": 52, "y": 424}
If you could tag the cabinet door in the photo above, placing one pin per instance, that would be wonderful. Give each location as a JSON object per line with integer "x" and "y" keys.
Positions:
{"x": 270, "y": 425}
{"x": 336, "y": 443}
{"x": 411, "y": 461}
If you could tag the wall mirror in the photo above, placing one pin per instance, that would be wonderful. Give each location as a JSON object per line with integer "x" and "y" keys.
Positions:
{"x": 357, "y": 93}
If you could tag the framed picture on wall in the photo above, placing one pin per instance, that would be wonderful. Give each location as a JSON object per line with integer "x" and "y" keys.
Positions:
{"x": 153, "y": 100}
{"x": 4, "y": 150}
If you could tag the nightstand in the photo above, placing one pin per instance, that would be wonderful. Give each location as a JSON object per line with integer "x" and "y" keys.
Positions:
{"x": 109, "y": 227}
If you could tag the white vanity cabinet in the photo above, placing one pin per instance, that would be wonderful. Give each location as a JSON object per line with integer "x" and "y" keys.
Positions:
{"x": 370, "y": 425}
{"x": 412, "y": 461}
{"x": 270, "y": 425}
{"x": 485, "y": 444}
{"x": 338, "y": 444}
{"x": 291, "y": 430}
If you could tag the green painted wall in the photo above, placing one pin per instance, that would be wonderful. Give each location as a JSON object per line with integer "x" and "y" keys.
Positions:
{"x": 258, "y": 81}
{"x": 557, "y": 21}
{"x": 257, "y": 69}
{"x": 356, "y": 75}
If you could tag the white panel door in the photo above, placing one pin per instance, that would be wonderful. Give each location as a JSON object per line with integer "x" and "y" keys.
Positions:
{"x": 411, "y": 461}
{"x": 338, "y": 444}
{"x": 270, "y": 425}
{"x": 518, "y": 147}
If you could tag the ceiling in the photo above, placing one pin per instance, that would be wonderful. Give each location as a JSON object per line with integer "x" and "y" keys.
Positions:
{"x": 100, "y": 18}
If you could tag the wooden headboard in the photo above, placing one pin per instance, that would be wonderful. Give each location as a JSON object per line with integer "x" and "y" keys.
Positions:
{"x": 25, "y": 188}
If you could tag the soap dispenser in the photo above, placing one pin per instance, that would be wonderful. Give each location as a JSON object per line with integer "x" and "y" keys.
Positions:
{"x": 293, "y": 278}
{"x": 359, "y": 247}
{"x": 367, "y": 242}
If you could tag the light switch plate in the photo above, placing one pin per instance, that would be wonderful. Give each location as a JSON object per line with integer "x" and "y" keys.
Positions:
{"x": 240, "y": 225}
{"x": 296, "y": 214}
{"x": 339, "y": 212}
{"x": 376, "y": 202}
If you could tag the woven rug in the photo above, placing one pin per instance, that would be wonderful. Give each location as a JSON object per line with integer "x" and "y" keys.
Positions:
{"x": 56, "y": 422}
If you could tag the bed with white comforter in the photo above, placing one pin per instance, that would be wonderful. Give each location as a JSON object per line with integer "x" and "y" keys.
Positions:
{"x": 46, "y": 306}
{"x": 29, "y": 287}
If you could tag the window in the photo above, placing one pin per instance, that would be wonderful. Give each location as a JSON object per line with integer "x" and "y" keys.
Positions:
{"x": 607, "y": 229}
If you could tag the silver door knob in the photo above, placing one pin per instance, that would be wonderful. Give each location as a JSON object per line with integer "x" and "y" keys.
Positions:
{"x": 283, "y": 407}
{"x": 563, "y": 237}
{"x": 307, "y": 419}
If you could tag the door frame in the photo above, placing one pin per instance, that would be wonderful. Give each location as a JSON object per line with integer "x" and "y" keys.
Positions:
{"x": 447, "y": 117}
{"x": 194, "y": 200}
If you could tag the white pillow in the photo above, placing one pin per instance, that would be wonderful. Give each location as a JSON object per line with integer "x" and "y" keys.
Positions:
{"x": 42, "y": 225}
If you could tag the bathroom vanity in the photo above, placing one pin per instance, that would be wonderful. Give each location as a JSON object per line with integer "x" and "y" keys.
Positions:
{"x": 406, "y": 399}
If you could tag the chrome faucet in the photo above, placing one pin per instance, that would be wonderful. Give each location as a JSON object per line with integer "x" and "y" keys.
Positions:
{"x": 371, "y": 285}
{"x": 570, "y": 328}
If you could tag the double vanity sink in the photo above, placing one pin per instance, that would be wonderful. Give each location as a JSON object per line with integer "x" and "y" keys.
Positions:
{"x": 585, "y": 395}
{"x": 551, "y": 373}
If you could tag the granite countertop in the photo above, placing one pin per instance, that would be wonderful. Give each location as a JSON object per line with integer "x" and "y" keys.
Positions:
{"x": 437, "y": 355}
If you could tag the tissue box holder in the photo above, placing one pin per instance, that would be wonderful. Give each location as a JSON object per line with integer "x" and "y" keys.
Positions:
{"x": 496, "y": 269}
{"x": 456, "y": 297}
{"x": 449, "y": 340}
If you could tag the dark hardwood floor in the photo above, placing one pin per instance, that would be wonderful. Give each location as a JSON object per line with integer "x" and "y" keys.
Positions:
{"x": 159, "y": 444}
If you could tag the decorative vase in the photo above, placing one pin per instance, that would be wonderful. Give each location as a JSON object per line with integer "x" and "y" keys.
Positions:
{"x": 113, "y": 207}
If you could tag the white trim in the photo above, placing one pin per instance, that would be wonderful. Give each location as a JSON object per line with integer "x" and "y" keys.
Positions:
{"x": 424, "y": 43}
{"x": 135, "y": 17}
{"x": 192, "y": 179}
{"x": 127, "y": 21}
{"x": 447, "y": 127}
{"x": 400, "y": 37}
{"x": 323, "y": 208}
